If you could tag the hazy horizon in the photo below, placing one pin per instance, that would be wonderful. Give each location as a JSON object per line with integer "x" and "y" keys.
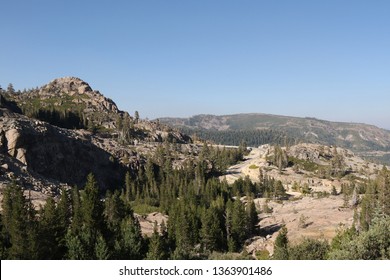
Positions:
{"x": 327, "y": 60}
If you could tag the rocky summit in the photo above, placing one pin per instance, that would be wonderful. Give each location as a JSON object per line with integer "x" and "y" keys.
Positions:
{"x": 55, "y": 135}
{"x": 72, "y": 96}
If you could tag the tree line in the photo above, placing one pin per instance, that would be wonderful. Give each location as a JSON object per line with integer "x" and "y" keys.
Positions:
{"x": 252, "y": 138}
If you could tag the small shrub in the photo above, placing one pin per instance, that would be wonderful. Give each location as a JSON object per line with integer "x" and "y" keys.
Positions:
{"x": 303, "y": 221}
{"x": 267, "y": 209}
{"x": 262, "y": 255}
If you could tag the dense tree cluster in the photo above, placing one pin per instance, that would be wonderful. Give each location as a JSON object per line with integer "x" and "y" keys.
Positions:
{"x": 253, "y": 138}
{"x": 205, "y": 215}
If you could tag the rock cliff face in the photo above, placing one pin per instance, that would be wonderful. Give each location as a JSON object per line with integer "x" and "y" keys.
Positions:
{"x": 58, "y": 154}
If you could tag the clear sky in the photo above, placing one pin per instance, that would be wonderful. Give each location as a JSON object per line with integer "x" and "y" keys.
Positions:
{"x": 325, "y": 59}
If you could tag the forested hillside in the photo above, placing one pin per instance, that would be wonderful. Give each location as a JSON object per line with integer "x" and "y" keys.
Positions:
{"x": 366, "y": 140}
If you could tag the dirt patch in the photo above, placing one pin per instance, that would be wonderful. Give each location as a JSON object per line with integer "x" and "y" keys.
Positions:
{"x": 147, "y": 222}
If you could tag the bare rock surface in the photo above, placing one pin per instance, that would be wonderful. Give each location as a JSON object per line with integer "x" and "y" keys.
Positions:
{"x": 317, "y": 215}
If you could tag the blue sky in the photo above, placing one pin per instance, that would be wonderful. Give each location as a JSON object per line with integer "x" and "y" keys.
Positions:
{"x": 324, "y": 59}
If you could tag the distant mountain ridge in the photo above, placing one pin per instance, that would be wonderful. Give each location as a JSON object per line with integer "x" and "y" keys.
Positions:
{"x": 363, "y": 139}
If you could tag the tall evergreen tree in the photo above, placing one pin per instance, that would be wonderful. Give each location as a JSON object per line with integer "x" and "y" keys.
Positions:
{"x": 49, "y": 231}
{"x": 76, "y": 223}
{"x": 88, "y": 223}
{"x": 129, "y": 243}
{"x": 78, "y": 245}
{"x": 368, "y": 206}
{"x": 384, "y": 190}
{"x": 63, "y": 220}
{"x": 101, "y": 248}
{"x": 10, "y": 89}
{"x": 211, "y": 232}
{"x": 239, "y": 226}
{"x": 157, "y": 246}
{"x": 91, "y": 207}
{"x": 4, "y": 240}
{"x": 252, "y": 216}
{"x": 281, "y": 245}
{"x": 19, "y": 223}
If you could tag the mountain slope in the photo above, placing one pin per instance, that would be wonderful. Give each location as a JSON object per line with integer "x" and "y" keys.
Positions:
{"x": 55, "y": 135}
{"x": 55, "y": 153}
{"x": 71, "y": 103}
{"x": 363, "y": 139}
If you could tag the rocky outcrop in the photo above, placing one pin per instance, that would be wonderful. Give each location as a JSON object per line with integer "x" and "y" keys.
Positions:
{"x": 157, "y": 132}
{"x": 316, "y": 153}
{"x": 59, "y": 154}
{"x": 81, "y": 93}
{"x": 70, "y": 102}
{"x": 43, "y": 151}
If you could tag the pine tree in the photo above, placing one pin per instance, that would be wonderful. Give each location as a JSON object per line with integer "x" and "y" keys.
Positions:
{"x": 211, "y": 232}
{"x": 228, "y": 225}
{"x": 88, "y": 222}
{"x": 10, "y": 89}
{"x": 281, "y": 245}
{"x": 49, "y": 231}
{"x": 131, "y": 192}
{"x": 279, "y": 191}
{"x": 183, "y": 227}
{"x": 384, "y": 190}
{"x": 77, "y": 245}
{"x": 76, "y": 224}
{"x": 157, "y": 248}
{"x": 4, "y": 240}
{"x": 91, "y": 207}
{"x": 239, "y": 225}
{"x": 136, "y": 116}
{"x": 280, "y": 158}
{"x": 101, "y": 249}
{"x": 368, "y": 206}
{"x": 129, "y": 243}
{"x": 19, "y": 223}
{"x": 115, "y": 210}
{"x": 253, "y": 218}
{"x": 63, "y": 221}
